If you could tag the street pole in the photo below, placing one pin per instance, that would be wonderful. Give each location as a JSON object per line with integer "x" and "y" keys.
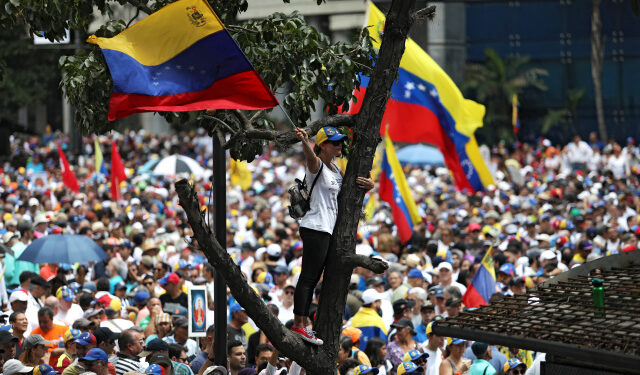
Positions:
{"x": 220, "y": 226}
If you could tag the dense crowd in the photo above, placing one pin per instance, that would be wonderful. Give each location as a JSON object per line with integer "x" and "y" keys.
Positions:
{"x": 551, "y": 209}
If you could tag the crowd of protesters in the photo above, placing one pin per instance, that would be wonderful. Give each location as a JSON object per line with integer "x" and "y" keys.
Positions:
{"x": 551, "y": 209}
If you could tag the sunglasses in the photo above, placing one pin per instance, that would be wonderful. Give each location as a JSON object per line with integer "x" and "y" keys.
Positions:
{"x": 148, "y": 283}
{"x": 517, "y": 371}
{"x": 336, "y": 143}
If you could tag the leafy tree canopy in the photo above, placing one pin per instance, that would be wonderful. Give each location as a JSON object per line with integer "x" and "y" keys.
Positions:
{"x": 291, "y": 56}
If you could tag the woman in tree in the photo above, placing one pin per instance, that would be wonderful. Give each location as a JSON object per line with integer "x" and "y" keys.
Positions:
{"x": 316, "y": 227}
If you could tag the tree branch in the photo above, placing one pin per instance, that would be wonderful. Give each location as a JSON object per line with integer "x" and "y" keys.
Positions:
{"x": 141, "y": 5}
{"x": 427, "y": 12}
{"x": 376, "y": 265}
{"x": 308, "y": 356}
{"x": 287, "y": 137}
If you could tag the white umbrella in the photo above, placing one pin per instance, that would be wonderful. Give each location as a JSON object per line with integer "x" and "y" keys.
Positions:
{"x": 178, "y": 164}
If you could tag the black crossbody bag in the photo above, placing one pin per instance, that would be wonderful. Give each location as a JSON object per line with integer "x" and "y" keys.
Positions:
{"x": 299, "y": 197}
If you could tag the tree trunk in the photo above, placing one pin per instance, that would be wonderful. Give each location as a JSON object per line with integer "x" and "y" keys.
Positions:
{"x": 597, "y": 55}
{"x": 342, "y": 258}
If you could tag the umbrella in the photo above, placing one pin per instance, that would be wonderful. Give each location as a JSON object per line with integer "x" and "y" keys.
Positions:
{"x": 63, "y": 248}
{"x": 174, "y": 165}
{"x": 420, "y": 155}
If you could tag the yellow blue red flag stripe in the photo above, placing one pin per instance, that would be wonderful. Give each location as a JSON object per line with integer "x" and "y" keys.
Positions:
{"x": 515, "y": 117}
{"x": 395, "y": 191}
{"x": 426, "y": 106}
{"x": 180, "y": 58}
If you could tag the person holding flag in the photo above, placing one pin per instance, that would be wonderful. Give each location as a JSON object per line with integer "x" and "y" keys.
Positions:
{"x": 316, "y": 227}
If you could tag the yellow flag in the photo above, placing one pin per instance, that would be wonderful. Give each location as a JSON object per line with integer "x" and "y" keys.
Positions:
{"x": 240, "y": 175}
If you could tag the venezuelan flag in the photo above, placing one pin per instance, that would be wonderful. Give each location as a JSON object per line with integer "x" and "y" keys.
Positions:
{"x": 515, "y": 118}
{"x": 426, "y": 106}
{"x": 395, "y": 191}
{"x": 99, "y": 160}
{"x": 483, "y": 284}
{"x": 180, "y": 58}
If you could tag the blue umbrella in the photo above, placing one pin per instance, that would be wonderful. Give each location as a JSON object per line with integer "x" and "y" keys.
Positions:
{"x": 63, "y": 248}
{"x": 420, "y": 155}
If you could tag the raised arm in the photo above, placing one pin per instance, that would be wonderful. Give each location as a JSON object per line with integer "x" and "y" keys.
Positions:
{"x": 313, "y": 162}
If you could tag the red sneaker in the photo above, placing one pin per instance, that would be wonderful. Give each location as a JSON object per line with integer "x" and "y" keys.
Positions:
{"x": 307, "y": 335}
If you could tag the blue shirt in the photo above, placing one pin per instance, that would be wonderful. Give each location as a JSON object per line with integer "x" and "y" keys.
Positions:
{"x": 421, "y": 333}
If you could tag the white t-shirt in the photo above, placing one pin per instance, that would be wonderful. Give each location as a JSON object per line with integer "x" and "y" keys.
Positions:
{"x": 284, "y": 314}
{"x": 74, "y": 313}
{"x": 433, "y": 362}
{"x": 324, "y": 200}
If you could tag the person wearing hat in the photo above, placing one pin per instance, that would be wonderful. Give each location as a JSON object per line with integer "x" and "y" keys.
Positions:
{"x": 114, "y": 322}
{"x": 445, "y": 277}
{"x": 14, "y": 367}
{"x": 174, "y": 294}
{"x": 239, "y": 318}
{"x": 353, "y": 352}
{"x": 403, "y": 342}
{"x": 514, "y": 367}
{"x": 51, "y": 332}
{"x": 454, "y": 362}
{"x": 140, "y": 301}
{"x": 155, "y": 346}
{"x": 454, "y": 307}
{"x": 417, "y": 357}
{"x": 69, "y": 311}
{"x": 161, "y": 326}
{"x": 367, "y": 318}
{"x": 433, "y": 348}
{"x": 38, "y": 290}
{"x": 66, "y": 358}
{"x": 35, "y": 348}
{"x": 409, "y": 367}
{"x": 96, "y": 360}
{"x": 316, "y": 226}
{"x": 403, "y": 308}
{"x": 8, "y": 344}
{"x": 365, "y": 369}
{"x": 481, "y": 365}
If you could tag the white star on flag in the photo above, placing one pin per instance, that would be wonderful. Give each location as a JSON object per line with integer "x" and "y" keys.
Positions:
{"x": 434, "y": 93}
{"x": 409, "y": 86}
{"x": 422, "y": 87}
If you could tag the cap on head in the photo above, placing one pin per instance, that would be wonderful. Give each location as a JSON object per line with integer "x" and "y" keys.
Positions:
{"x": 44, "y": 370}
{"x": 365, "y": 369}
{"x": 408, "y": 367}
{"x": 328, "y": 133}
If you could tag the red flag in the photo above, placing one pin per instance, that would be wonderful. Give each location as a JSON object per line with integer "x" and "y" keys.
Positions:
{"x": 117, "y": 172}
{"x": 68, "y": 177}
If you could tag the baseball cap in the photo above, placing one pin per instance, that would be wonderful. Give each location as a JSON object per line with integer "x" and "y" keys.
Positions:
{"x": 14, "y": 366}
{"x": 65, "y": 293}
{"x": 40, "y": 281}
{"x": 141, "y": 297}
{"x": 328, "y": 133}
{"x": 281, "y": 269}
{"x": 274, "y": 250}
{"x": 437, "y": 291}
{"x": 18, "y": 295}
{"x": 175, "y": 309}
{"x": 416, "y": 274}
{"x": 6, "y": 337}
{"x": 479, "y": 348}
{"x": 365, "y": 369}
{"x": 369, "y": 296}
{"x": 120, "y": 285}
{"x": 407, "y": 367}
{"x": 404, "y": 323}
{"x": 548, "y": 255}
{"x": 172, "y": 278}
{"x": 104, "y": 334}
{"x": 402, "y": 304}
{"x": 154, "y": 369}
{"x": 444, "y": 265}
{"x": 221, "y": 370}
{"x": 508, "y": 269}
{"x": 89, "y": 287}
{"x": 71, "y": 334}
{"x": 375, "y": 281}
{"x": 86, "y": 338}
{"x": 33, "y": 340}
{"x": 181, "y": 323}
{"x": 414, "y": 355}
{"x": 155, "y": 345}
{"x": 427, "y": 305}
{"x": 455, "y": 341}
{"x": 235, "y": 307}
{"x": 513, "y": 363}
{"x": 44, "y": 370}
{"x": 95, "y": 354}
{"x": 352, "y": 332}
